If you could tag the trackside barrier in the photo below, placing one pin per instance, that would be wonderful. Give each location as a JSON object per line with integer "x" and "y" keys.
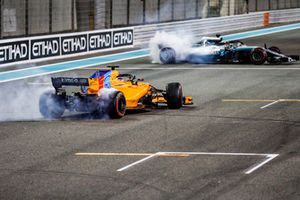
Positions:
{"x": 42, "y": 48}
{"x": 208, "y": 26}
{"x": 266, "y": 19}
{"x": 284, "y": 16}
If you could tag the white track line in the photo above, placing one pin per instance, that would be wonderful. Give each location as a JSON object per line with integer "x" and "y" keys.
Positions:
{"x": 249, "y": 171}
{"x": 216, "y": 153}
{"x": 269, "y": 158}
{"x": 270, "y": 104}
{"x": 135, "y": 163}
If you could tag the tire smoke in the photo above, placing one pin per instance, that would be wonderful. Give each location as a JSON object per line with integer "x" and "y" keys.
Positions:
{"x": 179, "y": 41}
{"x": 20, "y": 101}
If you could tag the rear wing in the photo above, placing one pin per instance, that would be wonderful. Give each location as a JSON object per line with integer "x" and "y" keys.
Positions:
{"x": 58, "y": 82}
{"x": 99, "y": 79}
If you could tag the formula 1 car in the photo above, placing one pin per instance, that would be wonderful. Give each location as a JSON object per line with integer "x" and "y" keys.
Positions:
{"x": 215, "y": 50}
{"x": 107, "y": 92}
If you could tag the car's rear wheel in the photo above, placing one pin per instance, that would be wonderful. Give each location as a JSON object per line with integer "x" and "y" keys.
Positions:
{"x": 174, "y": 95}
{"x": 51, "y": 106}
{"x": 117, "y": 105}
{"x": 258, "y": 56}
{"x": 167, "y": 55}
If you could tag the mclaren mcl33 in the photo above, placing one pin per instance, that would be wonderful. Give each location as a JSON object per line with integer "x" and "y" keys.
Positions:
{"x": 215, "y": 50}
{"x": 107, "y": 92}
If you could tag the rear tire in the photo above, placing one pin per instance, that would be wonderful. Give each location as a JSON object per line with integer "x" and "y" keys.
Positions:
{"x": 167, "y": 55}
{"x": 117, "y": 105}
{"x": 174, "y": 95}
{"x": 258, "y": 56}
{"x": 51, "y": 106}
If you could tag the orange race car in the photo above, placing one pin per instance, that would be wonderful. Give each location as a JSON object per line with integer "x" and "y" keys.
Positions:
{"x": 107, "y": 92}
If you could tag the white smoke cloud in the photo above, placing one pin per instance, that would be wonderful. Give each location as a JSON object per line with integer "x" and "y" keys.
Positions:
{"x": 179, "y": 41}
{"x": 20, "y": 100}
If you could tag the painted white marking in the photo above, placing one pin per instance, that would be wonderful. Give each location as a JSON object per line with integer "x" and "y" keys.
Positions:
{"x": 216, "y": 153}
{"x": 254, "y": 168}
{"x": 269, "y": 158}
{"x": 270, "y": 104}
{"x": 135, "y": 163}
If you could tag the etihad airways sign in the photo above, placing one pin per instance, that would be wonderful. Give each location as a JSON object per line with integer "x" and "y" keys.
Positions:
{"x": 49, "y": 47}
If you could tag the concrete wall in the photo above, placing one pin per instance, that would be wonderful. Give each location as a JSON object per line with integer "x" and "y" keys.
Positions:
{"x": 13, "y": 14}
{"x": 136, "y": 12}
{"x": 151, "y": 11}
{"x": 119, "y": 12}
{"x": 61, "y": 15}
{"x": 100, "y": 13}
{"x": 165, "y": 10}
{"x": 38, "y": 15}
{"x": 190, "y": 9}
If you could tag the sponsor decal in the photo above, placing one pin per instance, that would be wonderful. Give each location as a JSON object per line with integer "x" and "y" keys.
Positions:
{"x": 98, "y": 41}
{"x": 53, "y": 46}
{"x": 122, "y": 38}
{"x": 42, "y": 48}
{"x": 73, "y": 44}
{"x": 14, "y": 51}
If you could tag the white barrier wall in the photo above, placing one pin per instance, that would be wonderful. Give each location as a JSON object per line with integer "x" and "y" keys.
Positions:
{"x": 208, "y": 26}
{"x": 42, "y": 48}
{"x": 283, "y": 16}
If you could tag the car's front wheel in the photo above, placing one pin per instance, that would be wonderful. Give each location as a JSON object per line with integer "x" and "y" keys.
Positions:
{"x": 274, "y": 49}
{"x": 174, "y": 95}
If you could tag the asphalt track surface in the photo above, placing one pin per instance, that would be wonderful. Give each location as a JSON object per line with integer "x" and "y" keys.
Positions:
{"x": 236, "y": 111}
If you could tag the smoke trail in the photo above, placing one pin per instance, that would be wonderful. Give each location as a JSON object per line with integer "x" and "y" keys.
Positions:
{"x": 180, "y": 42}
{"x": 20, "y": 101}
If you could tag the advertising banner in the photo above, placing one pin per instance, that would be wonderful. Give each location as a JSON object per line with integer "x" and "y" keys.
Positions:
{"x": 44, "y": 48}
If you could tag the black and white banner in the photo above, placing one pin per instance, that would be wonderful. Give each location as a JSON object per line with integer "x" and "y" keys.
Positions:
{"x": 58, "y": 46}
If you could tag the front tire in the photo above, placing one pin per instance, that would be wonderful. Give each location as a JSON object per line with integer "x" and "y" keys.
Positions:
{"x": 258, "y": 56}
{"x": 275, "y": 49}
{"x": 167, "y": 55}
{"x": 51, "y": 106}
{"x": 174, "y": 95}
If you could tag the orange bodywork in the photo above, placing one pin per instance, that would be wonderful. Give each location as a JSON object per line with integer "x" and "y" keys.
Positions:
{"x": 132, "y": 92}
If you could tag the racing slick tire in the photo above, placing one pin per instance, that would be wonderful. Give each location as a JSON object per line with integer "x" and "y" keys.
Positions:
{"x": 51, "y": 106}
{"x": 174, "y": 95}
{"x": 117, "y": 105}
{"x": 167, "y": 55}
{"x": 258, "y": 56}
{"x": 275, "y": 49}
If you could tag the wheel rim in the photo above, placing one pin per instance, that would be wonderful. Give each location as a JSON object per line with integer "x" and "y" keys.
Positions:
{"x": 257, "y": 56}
{"x": 167, "y": 55}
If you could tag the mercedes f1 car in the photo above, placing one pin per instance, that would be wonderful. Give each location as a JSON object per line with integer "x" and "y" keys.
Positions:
{"x": 108, "y": 92}
{"x": 215, "y": 50}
